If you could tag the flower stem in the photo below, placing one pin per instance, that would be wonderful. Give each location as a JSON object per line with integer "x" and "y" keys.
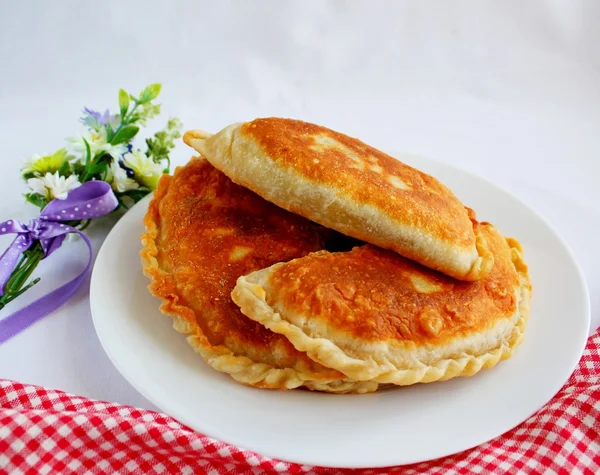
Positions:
{"x": 16, "y": 283}
{"x": 94, "y": 161}
{"x": 125, "y": 120}
{"x": 85, "y": 225}
{"x": 135, "y": 106}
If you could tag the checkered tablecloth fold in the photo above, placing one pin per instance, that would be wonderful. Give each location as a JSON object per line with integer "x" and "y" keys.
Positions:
{"x": 44, "y": 431}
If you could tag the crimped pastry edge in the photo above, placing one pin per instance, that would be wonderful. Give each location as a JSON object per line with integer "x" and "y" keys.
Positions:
{"x": 219, "y": 357}
{"x": 251, "y": 298}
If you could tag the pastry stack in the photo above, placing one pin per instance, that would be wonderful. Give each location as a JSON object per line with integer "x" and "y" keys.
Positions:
{"x": 295, "y": 256}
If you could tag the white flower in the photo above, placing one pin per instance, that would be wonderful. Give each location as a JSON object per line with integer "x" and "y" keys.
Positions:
{"x": 147, "y": 172}
{"x": 97, "y": 142}
{"x": 118, "y": 179}
{"x": 53, "y": 186}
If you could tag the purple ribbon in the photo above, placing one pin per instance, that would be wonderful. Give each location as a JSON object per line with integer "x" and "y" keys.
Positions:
{"x": 91, "y": 200}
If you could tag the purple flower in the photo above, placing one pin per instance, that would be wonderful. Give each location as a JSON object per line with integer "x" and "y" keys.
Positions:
{"x": 108, "y": 118}
{"x": 93, "y": 113}
{"x": 95, "y": 120}
{"x": 91, "y": 119}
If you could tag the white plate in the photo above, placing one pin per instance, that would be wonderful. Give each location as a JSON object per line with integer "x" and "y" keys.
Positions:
{"x": 393, "y": 427}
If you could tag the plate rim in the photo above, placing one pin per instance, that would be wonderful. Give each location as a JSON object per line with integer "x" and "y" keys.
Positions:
{"x": 582, "y": 285}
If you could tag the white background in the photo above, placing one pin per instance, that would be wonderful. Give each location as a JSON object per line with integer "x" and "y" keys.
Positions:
{"x": 509, "y": 90}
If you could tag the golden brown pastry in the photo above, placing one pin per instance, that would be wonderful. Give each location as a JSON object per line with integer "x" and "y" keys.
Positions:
{"x": 346, "y": 185}
{"x": 374, "y": 315}
{"x": 203, "y": 232}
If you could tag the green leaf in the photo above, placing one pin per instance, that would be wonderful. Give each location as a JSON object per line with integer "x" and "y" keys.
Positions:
{"x": 150, "y": 93}
{"x": 88, "y": 153}
{"x": 79, "y": 169}
{"x": 123, "y": 102}
{"x": 98, "y": 168}
{"x": 122, "y": 203}
{"x": 36, "y": 199}
{"x": 109, "y": 131}
{"x": 65, "y": 169}
{"x": 125, "y": 134}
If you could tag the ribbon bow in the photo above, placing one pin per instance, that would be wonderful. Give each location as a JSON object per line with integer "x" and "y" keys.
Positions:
{"x": 91, "y": 200}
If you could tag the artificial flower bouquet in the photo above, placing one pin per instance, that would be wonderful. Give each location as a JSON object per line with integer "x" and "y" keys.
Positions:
{"x": 96, "y": 173}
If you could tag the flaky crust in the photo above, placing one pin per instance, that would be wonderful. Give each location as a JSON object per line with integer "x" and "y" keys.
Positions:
{"x": 346, "y": 185}
{"x": 417, "y": 346}
{"x": 176, "y": 294}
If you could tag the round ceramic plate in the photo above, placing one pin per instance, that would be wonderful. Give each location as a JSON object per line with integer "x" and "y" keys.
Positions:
{"x": 392, "y": 427}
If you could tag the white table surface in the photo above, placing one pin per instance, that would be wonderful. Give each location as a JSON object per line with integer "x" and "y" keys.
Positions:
{"x": 509, "y": 90}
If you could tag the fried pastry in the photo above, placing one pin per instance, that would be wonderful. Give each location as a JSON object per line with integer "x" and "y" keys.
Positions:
{"x": 203, "y": 232}
{"x": 346, "y": 185}
{"x": 374, "y": 315}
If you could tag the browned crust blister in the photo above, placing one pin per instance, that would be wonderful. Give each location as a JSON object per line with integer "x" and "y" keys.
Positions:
{"x": 435, "y": 295}
{"x": 304, "y": 372}
{"x": 365, "y": 318}
{"x": 344, "y": 184}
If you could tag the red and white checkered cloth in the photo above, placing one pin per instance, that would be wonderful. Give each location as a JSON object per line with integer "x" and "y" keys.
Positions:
{"x": 47, "y": 431}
